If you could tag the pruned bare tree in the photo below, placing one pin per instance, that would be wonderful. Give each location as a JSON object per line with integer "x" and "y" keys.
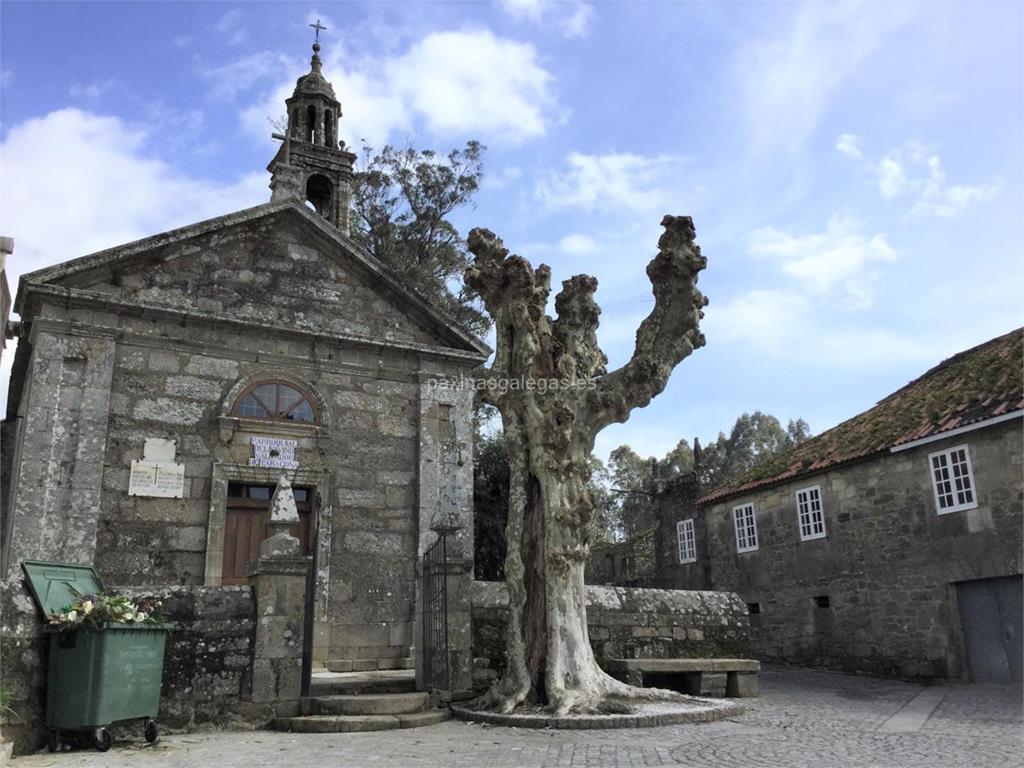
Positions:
{"x": 550, "y": 432}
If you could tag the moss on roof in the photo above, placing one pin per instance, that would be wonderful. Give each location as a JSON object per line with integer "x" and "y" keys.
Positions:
{"x": 981, "y": 383}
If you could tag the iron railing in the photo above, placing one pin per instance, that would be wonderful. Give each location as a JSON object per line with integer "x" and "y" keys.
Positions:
{"x": 435, "y": 615}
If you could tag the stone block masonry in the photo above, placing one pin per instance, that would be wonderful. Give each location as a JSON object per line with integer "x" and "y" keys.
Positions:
{"x": 161, "y": 339}
{"x": 877, "y": 594}
{"x": 207, "y": 662}
{"x": 624, "y": 622}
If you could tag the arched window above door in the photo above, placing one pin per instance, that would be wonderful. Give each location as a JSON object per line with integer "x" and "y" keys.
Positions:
{"x": 276, "y": 400}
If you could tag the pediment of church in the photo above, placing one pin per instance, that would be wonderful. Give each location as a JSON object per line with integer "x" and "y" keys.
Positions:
{"x": 278, "y": 264}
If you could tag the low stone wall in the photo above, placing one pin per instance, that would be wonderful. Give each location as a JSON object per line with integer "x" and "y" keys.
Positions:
{"x": 624, "y": 622}
{"x": 22, "y": 666}
{"x": 206, "y": 665}
{"x": 208, "y": 659}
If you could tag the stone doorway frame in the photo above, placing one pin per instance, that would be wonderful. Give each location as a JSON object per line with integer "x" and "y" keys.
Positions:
{"x": 321, "y": 483}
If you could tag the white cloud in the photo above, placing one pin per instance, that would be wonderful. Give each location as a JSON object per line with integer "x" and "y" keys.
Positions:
{"x": 236, "y": 77}
{"x": 458, "y": 80}
{"x": 502, "y": 178}
{"x": 614, "y": 181}
{"x": 849, "y": 145}
{"x": 72, "y": 183}
{"x": 465, "y": 83}
{"x": 892, "y": 179}
{"x": 787, "y": 82}
{"x": 786, "y": 324}
{"x": 939, "y": 199}
{"x": 571, "y": 17}
{"x": 577, "y": 244}
{"x": 523, "y": 9}
{"x": 836, "y": 260}
{"x": 93, "y": 90}
{"x": 916, "y": 172}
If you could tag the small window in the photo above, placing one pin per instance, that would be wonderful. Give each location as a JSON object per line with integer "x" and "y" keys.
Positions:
{"x": 822, "y": 601}
{"x": 753, "y": 608}
{"x": 275, "y": 400}
{"x": 746, "y": 528}
{"x": 687, "y": 541}
{"x": 809, "y": 513}
{"x": 952, "y": 480}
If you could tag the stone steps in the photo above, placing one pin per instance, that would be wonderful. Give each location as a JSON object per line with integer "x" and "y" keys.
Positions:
{"x": 363, "y": 701}
{"x": 366, "y": 704}
{"x": 360, "y": 683}
{"x": 370, "y": 665}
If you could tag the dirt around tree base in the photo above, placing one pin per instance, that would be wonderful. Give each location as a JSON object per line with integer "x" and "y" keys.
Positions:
{"x": 645, "y": 715}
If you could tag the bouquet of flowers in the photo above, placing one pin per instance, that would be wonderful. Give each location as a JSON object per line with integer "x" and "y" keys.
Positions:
{"x": 97, "y": 610}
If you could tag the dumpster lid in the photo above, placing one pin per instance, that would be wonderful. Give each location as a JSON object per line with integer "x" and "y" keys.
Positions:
{"x": 55, "y": 585}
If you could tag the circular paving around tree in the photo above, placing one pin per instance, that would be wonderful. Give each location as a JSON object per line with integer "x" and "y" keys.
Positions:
{"x": 647, "y": 715}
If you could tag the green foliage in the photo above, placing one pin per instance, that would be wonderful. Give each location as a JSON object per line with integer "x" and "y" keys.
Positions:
{"x": 402, "y": 200}
{"x": 606, "y": 527}
{"x": 754, "y": 438}
{"x": 490, "y": 506}
{"x": 633, "y": 477}
{"x": 97, "y": 610}
{"x": 6, "y": 697}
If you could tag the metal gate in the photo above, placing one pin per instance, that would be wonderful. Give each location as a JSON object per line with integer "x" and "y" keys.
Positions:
{"x": 991, "y": 618}
{"x": 435, "y": 615}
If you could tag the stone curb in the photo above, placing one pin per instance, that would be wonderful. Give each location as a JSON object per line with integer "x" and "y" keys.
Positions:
{"x": 705, "y": 714}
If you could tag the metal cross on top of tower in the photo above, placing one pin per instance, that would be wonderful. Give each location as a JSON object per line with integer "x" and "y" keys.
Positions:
{"x": 318, "y": 26}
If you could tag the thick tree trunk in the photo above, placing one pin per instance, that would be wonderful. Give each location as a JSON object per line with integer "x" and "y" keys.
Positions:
{"x": 550, "y": 435}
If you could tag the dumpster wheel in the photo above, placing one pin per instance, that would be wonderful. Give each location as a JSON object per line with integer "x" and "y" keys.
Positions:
{"x": 53, "y": 741}
{"x": 102, "y": 739}
{"x": 152, "y": 734}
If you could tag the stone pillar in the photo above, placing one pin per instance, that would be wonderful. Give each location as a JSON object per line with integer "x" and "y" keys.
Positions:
{"x": 286, "y": 184}
{"x": 57, "y": 461}
{"x": 460, "y": 635}
{"x": 446, "y": 497}
{"x": 278, "y": 581}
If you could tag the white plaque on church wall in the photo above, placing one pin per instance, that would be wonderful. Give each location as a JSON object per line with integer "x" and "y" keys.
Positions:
{"x": 274, "y": 452}
{"x": 163, "y": 479}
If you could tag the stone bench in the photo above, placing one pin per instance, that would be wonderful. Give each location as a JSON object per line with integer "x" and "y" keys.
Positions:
{"x": 693, "y": 676}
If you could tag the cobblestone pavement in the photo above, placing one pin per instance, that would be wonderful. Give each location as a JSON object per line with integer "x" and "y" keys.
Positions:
{"x": 803, "y": 718}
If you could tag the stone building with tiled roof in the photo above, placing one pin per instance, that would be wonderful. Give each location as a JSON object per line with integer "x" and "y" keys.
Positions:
{"x": 889, "y": 544}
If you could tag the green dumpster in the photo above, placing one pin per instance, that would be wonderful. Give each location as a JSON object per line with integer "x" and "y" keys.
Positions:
{"x": 98, "y": 675}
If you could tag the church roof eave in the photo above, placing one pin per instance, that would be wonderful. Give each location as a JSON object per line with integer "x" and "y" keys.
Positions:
{"x": 125, "y": 253}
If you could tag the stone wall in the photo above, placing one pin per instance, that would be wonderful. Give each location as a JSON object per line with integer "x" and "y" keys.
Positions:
{"x": 207, "y": 660}
{"x": 624, "y": 622}
{"x": 628, "y": 563}
{"x": 887, "y": 566}
{"x": 160, "y": 348}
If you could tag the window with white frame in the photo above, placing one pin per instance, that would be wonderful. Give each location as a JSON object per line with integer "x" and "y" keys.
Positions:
{"x": 687, "y": 541}
{"x": 746, "y": 528}
{"x": 952, "y": 480}
{"x": 809, "y": 513}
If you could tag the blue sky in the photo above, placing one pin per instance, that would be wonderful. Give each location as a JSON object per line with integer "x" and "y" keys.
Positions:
{"x": 854, "y": 170}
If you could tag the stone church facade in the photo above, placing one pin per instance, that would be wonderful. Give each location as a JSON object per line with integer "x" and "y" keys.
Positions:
{"x": 161, "y": 388}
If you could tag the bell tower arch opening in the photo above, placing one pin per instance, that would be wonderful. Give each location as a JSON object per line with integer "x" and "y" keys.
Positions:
{"x": 320, "y": 192}
{"x": 329, "y": 129}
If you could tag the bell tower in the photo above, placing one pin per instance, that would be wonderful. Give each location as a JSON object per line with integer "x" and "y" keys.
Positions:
{"x": 312, "y": 164}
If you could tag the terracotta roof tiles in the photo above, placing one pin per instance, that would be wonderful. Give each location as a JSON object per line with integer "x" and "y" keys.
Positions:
{"x": 981, "y": 383}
